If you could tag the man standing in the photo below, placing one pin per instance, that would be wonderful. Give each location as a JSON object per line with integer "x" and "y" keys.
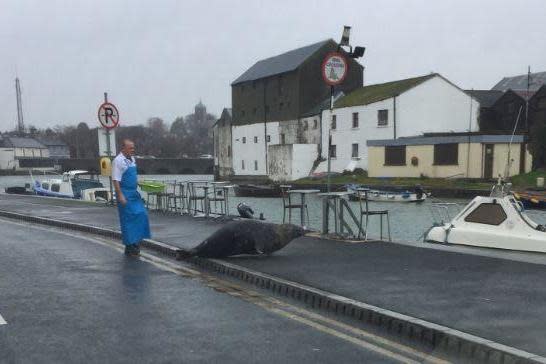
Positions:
{"x": 133, "y": 217}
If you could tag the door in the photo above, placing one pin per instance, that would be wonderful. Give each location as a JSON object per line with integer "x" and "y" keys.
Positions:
{"x": 488, "y": 161}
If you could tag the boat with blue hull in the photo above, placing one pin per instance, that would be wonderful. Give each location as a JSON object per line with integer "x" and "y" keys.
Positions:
{"x": 78, "y": 184}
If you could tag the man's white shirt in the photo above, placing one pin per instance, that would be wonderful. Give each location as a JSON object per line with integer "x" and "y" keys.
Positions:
{"x": 120, "y": 165}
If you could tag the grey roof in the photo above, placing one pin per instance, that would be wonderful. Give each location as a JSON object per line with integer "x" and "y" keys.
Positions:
{"x": 51, "y": 142}
{"x": 282, "y": 63}
{"x": 486, "y": 98}
{"x": 424, "y": 140}
{"x": 520, "y": 82}
{"x": 20, "y": 142}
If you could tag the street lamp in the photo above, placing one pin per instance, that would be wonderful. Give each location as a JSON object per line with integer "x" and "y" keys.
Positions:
{"x": 356, "y": 53}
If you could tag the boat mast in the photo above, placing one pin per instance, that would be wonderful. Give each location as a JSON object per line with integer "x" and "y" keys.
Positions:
{"x": 508, "y": 161}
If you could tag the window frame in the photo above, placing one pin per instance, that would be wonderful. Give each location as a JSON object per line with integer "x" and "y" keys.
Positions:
{"x": 380, "y": 122}
{"x": 333, "y": 122}
{"x": 393, "y": 149}
{"x": 355, "y": 121}
{"x": 353, "y": 151}
{"x": 466, "y": 218}
{"x": 333, "y": 151}
{"x": 445, "y": 161}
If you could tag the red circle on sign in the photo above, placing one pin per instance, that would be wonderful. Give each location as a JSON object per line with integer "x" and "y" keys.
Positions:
{"x": 326, "y": 59}
{"x": 108, "y": 115}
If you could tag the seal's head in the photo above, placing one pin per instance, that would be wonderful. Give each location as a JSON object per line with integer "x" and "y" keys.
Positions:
{"x": 284, "y": 234}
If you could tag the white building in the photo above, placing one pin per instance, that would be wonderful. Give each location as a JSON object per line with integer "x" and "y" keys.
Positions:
{"x": 392, "y": 110}
{"x": 19, "y": 153}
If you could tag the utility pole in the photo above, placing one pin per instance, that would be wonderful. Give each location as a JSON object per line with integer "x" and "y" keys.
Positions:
{"x": 20, "y": 122}
{"x": 527, "y": 99}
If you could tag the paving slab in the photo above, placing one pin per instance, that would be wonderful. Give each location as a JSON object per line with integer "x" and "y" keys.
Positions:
{"x": 497, "y": 299}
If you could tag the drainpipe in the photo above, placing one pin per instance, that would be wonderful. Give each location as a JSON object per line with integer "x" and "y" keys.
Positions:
{"x": 265, "y": 128}
{"x": 394, "y": 115}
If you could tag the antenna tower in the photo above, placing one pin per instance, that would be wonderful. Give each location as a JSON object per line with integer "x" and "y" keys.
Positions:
{"x": 20, "y": 122}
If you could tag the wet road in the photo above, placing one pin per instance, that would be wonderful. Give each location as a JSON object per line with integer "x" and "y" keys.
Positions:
{"x": 79, "y": 299}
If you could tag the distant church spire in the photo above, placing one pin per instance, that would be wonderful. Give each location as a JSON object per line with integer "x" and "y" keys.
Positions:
{"x": 200, "y": 111}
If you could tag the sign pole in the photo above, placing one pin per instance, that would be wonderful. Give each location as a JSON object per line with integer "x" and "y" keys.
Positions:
{"x": 330, "y": 137}
{"x": 334, "y": 70}
{"x": 109, "y": 154}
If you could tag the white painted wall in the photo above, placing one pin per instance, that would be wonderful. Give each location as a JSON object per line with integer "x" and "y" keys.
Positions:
{"x": 433, "y": 106}
{"x": 251, "y": 151}
{"x": 288, "y": 162}
{"x": 345, "y": 135}
{"x": 7, "y": 158}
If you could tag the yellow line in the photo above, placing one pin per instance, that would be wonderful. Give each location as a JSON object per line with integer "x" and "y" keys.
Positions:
{"x": 270, "y": 304}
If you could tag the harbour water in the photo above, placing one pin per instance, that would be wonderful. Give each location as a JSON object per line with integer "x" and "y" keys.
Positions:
{"x": 408, "y": 221}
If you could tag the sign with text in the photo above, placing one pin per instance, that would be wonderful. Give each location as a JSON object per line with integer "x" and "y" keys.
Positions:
{"x": 334, "y": 68}
{"x": 103, "y": 142}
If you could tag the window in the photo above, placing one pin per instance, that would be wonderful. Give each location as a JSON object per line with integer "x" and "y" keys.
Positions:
{"x": 281, "y": 105}
{"x": 354, "y": 153}
{"x": 395, "y": 155}
{"x": 255, "y": 165}
{"x": 305, "y": 125}
{"x": 242, "y": 113}
{"x": 255, "y": 139}
{"x": 243, "y": 164}
{"x": 333, "y": 151}
{"x": 315, "y": 124}
{"x": 45, "y": 186}
{"x": 55, "y": 187}
{"x": 355, "y": 120}
{"x": 487, "y": 213}
{"x": 382, "y": 117}
{"x": 268, "y": 138}
{"x": 254, "y": 111}
{"x": 229, "y": 150}
{"x": 334, "y": 122}
{"x": 244, "y": 140}
{"x": 446, "y": 154}
{"x": 283, "y": 141}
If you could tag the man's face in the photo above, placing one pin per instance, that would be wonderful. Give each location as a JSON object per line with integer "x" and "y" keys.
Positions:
{"x": 129, "y": 149}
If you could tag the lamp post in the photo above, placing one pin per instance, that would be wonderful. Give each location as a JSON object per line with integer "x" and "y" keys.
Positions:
{"x": 334, "y": 71}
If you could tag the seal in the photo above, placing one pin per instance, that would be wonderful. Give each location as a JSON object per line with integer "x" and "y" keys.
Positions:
{"x": 245, "y": 237}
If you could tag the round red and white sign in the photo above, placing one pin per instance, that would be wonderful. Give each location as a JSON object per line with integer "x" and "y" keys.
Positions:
{"x": 108, "y": 115}
{"x": 334, "y": 68}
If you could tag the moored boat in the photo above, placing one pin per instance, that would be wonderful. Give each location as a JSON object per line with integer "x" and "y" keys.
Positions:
{"x": 249, "y": 190}
{"x": 418, "y": 195}
{"x": 497, "y": 221}
{"x": 77, "y": 184}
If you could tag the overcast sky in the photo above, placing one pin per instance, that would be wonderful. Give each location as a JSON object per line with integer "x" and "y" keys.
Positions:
{"x": 159, "y": 58}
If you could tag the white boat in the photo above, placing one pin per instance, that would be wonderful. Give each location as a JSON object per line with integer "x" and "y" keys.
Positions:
{"x": 77, "y": 184}
{"x": 497, "y": 221}
{"x": 387, "y": 196}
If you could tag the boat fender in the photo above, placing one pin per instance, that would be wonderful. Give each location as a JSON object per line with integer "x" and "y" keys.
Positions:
{"x": 448, "y": 230}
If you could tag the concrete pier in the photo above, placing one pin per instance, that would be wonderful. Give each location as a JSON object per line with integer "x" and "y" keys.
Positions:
{"x": 496, "y": 296}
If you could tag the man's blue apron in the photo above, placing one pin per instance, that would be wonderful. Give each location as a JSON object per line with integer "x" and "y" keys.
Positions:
{"x": 133, "y": 217}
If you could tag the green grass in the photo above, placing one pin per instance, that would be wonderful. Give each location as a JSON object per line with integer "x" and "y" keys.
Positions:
{"x": 528, "y": 179}
{"x": 425, "y": 182}
{"x": 519, "y": 181}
